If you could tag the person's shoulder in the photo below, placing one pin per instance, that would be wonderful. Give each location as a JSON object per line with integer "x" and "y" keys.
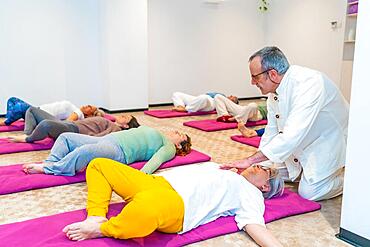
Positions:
{"x": 95, "y": 119}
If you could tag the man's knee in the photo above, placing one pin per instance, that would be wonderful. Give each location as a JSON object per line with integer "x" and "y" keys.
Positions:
{"x": 307, "y": 191}
{"x": 327, "y": 188}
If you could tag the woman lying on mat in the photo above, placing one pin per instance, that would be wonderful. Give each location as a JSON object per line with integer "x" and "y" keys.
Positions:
{"x": 228, "y": 111}
{"x": 40, "y": 124}
{"x": 247, "y": 132}
{"x": 16, "y": 109}
{"x": 72, "y": 152}
{"x": 176, "y": 200}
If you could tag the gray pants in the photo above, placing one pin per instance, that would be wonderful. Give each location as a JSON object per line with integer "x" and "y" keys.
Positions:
{"x": 39, "y": 124}
{"x": 73, "y": 152}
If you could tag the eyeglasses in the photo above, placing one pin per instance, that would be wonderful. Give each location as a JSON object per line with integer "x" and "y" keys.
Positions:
{"x": 271, "y": 172}
{"x": 254, "y": 76}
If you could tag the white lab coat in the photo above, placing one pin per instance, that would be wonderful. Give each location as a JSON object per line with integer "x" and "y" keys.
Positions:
{"x": 307, "y": 125}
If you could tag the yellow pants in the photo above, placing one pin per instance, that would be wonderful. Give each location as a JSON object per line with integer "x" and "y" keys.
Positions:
{"x": 152, "y": 204}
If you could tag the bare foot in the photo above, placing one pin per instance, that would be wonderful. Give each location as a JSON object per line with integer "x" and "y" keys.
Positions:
{"x": 2, "y": 122}
{"x": 33, "y": 168}
{"x": 245, "y": 131}
{"x": 21, "y": 138}
{"x": 87, "y": 229}
{"x": 179, "y": 108}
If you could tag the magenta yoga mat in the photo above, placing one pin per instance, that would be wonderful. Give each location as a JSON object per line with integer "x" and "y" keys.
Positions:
{"x": 212, "y": 125}
{"x": 32, "y": 233}
{"x": 13, "y": 179}
{"x": 251, "y": 141}
{"x": 171, "y": 113}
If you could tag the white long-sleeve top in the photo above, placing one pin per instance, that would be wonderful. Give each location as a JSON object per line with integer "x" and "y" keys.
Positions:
{"x": 307, "y": 125}
{"x": 209, "y": 193}
{"x": 62, "y": 109}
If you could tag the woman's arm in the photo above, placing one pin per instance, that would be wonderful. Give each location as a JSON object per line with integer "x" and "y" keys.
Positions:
{"x": 261, "y": 235}
{"x": 163, "y": 154}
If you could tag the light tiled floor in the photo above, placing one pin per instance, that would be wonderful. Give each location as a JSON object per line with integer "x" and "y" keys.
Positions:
{"x": 312, "y": 229}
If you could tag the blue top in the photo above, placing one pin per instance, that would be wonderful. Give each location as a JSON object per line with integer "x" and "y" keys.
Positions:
{"x": 212, "y": 95}
{"x": 260, "y": 132}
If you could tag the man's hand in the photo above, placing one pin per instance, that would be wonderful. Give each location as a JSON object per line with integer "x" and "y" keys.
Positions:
{"x": 237, "y": 164}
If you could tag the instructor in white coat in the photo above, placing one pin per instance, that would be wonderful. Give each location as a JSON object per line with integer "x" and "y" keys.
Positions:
{"x": 307, "y": 124}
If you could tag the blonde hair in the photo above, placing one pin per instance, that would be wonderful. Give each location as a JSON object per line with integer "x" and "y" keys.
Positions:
{"x": 99, "y": 113}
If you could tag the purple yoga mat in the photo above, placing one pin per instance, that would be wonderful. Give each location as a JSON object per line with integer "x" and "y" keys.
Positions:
{"x": 8, "y": 147}
{"x": 19, "y": 125}
{"x": 171, "y": 113}
{"x": 251, "y": 141}
{"x": 34, "y": 233}
{"x": 16, "y": 126}
{"x": 212, "y": 125}
{"x": 13, "y": 179}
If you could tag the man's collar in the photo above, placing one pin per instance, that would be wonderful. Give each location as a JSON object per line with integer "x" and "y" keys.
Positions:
{"x": 281, "y": 86}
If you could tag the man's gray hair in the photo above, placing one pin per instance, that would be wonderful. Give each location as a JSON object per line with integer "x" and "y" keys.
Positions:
{"x": 272, "y": 58}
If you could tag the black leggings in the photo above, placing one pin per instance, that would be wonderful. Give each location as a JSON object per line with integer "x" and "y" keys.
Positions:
{"x": 40, "y": 124}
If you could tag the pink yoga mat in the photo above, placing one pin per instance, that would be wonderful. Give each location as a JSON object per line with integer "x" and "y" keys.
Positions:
{"x": 110, "y": 117}
{"x": 251, "y": 141}
{"x": 13, "y": 179}
{"x": 19, "y": 125}
{"x": 33, "y": 232}
{"x": 16, "y": 126}
{"x": 212, "y": 125}
{"x": 8, "y": 147}
{"x": 171, "y": 113}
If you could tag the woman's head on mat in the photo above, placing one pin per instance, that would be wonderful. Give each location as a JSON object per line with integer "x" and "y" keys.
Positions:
{"x": 127, "y": 121}
{"x": 181, "y": 141}
{"x": 266, "y": 179}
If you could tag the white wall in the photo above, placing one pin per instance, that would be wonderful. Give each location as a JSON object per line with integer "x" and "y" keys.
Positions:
{"x": 122, "y": 54}
{"x": 197, "y": 47}
{"x": 90, "y": 51}
{"x": 356, "y": 200}
{"x": 124, "y": 64}
{"x": 45, "y": 49}
{"x": 302, "y": 29}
